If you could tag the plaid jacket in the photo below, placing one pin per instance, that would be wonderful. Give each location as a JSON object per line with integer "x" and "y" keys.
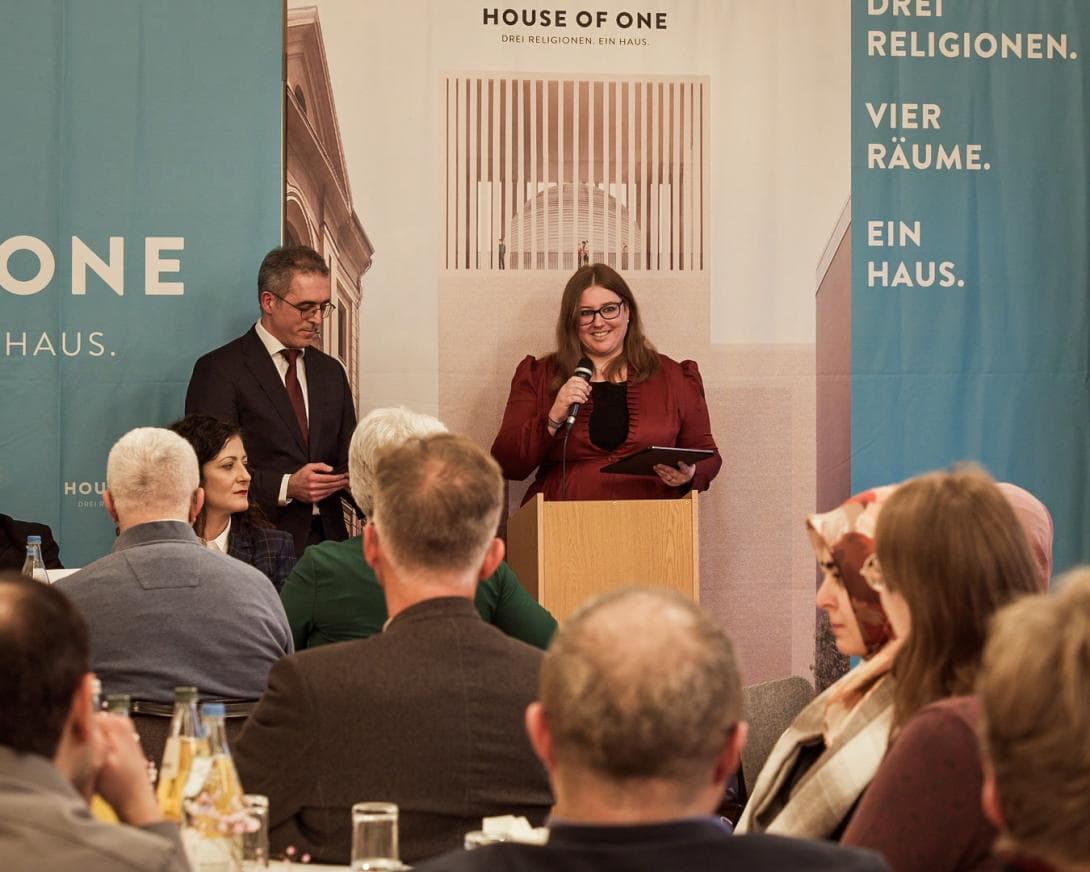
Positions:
{"x": 271, "y": 551}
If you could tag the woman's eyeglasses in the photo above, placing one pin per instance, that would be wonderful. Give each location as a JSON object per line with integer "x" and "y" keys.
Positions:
{"x": 608, "y": 312}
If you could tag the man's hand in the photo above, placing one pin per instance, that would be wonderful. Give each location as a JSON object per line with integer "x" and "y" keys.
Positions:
{"x": 122, "y": 777}
{"x": 315, "y": 482}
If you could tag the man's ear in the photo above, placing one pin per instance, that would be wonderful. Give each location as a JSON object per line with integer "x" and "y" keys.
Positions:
{"x": 730, "y": 755}
{"x": 492, "y": 558}
{"x": 541, "y": 737}
{"x": 81, "y": 713}
{"x": 372, "y": 549}
{"x": 989, "y": 799}
{"x": 111, "y": 508}
{"x": 196, "y": 503}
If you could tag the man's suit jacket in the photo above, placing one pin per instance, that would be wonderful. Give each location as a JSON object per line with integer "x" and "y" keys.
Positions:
{"x": 690, "y": 845}
{"x": 271, "y": 551}
{"x": 163, "y": 611}
{"x": 428, "y": 715}
{"x": 239, "y": 383}
{"x": 13, "y": 543}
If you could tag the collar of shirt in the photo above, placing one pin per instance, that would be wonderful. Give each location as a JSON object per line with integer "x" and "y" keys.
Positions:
{"x": 273, "y": 345}
{"x": 221, "y": 540}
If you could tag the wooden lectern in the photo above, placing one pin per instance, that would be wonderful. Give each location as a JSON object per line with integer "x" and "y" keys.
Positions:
{"x": 567, "y": 551}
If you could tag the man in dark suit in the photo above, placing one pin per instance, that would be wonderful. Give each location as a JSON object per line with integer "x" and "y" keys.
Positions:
{"x": 639, "y": 724}
{"x": 291, "y": 400}
{"x": 426, "y": 714}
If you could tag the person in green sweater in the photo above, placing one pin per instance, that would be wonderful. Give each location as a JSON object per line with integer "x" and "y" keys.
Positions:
{"x": 332, "y": 594}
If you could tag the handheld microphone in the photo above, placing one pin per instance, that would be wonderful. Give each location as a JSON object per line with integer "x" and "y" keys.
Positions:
{"x": 584, "y": 369}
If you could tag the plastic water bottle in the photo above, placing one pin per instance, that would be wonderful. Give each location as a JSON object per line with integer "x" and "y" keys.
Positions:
{"x": 34, "y": 565}
{"x": 184, "y": 744}
{"x": 215, "y": 813}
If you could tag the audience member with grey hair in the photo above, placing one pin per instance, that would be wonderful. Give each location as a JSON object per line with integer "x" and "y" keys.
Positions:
{"x": 152, "y": 472}
{"x": 639, "y": 724}
{"x": 332, "y": 594}
{"x": 56, "y": 751}
{"x": 426, "y": 714}
{"x": 162, "y": 609}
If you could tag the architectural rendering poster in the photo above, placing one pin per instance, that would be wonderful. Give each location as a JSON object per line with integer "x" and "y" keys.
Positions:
{"x": 701, "y": 148}
{"x": 970, "y": 278}
{"x": 140, "y": 192}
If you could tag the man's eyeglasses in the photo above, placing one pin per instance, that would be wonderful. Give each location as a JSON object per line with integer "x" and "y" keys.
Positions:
{"x": 308, "y": 309}
{"x": 608, "y": 312}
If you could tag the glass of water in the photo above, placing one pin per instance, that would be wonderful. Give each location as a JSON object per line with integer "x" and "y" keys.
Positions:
{"x": 374, "y": 837}
{"x": 255, "y": 839}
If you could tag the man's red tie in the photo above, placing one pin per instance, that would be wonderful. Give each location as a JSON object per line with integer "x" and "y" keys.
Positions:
{"x": 295, "y": 392}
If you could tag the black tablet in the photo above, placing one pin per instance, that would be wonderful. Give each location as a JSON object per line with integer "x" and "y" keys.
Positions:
{"x": 644, "y": 461}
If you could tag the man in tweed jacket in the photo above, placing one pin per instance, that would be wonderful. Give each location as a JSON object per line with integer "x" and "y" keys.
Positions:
{"x": 427, "y": 714}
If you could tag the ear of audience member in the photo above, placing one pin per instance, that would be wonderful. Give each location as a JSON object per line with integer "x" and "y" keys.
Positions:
{"x": 55, "y": 751}
{"x": 950, "y": 553}
{"x": 823, "y": 762}
{"x": 1035, "y": 707}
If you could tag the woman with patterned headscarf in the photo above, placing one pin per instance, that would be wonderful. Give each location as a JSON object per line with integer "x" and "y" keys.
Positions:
{"x": 824, "y": 761}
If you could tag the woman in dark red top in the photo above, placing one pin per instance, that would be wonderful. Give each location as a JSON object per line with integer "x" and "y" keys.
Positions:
{"x": 636, "y": 397}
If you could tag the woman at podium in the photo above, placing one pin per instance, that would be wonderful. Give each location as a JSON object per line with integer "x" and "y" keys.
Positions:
{"x": 626, "y": 396}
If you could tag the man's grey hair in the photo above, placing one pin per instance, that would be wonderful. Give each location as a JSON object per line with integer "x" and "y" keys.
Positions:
{"x": 154, "y": 471}
{"x": 641, "y": 683}
{"x": 378, "y": 430}
{"x": 282, "y": 263}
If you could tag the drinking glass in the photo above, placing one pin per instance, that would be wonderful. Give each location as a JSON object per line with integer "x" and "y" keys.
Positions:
{"x": 374, "y": 837}
{"x": 255, "y": 838}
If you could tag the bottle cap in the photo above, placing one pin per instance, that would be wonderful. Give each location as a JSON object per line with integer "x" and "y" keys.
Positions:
{"x": 118, "y": 703}
{"x": 34, "y": 540}
{"x": 213, "y": 710}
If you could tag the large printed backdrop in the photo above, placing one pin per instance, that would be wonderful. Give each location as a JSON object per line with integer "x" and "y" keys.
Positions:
{"x": 716, "y": 169}
{"x": 142, "y": 184}
{"x": 861, "y": 312}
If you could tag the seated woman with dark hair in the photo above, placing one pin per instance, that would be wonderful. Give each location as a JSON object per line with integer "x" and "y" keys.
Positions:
{"x": 229, "y": 521}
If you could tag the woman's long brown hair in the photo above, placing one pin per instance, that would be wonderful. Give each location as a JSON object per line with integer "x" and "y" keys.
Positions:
{"x": 950, "y": 545}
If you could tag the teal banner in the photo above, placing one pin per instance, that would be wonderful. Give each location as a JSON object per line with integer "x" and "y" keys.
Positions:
{"x": 970, "y": 265}
{"x": 142, "y": 184}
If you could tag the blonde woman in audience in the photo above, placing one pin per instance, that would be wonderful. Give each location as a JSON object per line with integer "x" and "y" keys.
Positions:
{"x": 950, "y": 553}
{"x": 825, "y": 759}
{"x": 1034, "y": 690}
